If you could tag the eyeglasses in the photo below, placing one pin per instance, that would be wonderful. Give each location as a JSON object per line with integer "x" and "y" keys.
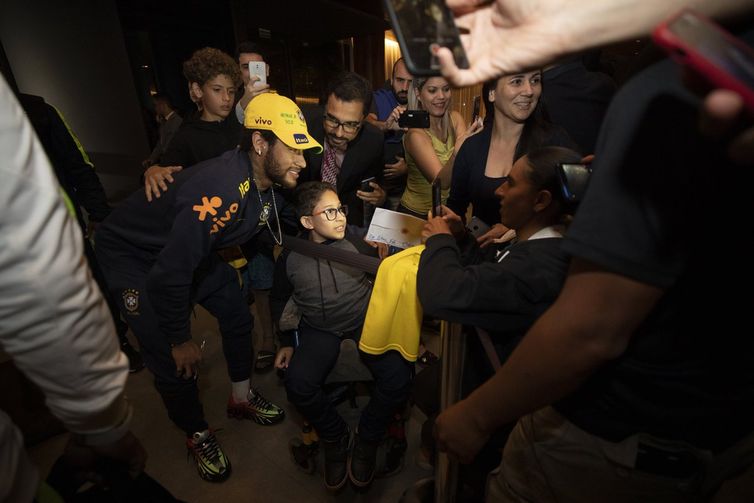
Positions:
{"x": 348, "y": 127}
{"x": 332, "y": 213}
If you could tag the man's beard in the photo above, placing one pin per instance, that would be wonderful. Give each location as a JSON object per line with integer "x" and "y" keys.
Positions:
{"x": 401, "y": 98}
{"x": 337, "y": 143}
{"x": 276, "y": 173}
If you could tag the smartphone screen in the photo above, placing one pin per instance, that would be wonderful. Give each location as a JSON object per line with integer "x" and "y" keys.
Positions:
{"x": 420, "y": 24}
{"x": 710, "y": 52}
{"x": 414, "y": 119}
{"x": 436, "y": 198}
{"x": 573, "y": 180}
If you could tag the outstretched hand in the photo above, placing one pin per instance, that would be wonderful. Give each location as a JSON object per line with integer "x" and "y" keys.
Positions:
{"x": 531, "y": 33}
{"x": 448, "y": 223}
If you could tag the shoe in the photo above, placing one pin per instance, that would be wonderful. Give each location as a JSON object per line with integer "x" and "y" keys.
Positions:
{"x": 211, "y": 462}
{"x": 135, "y": 363}
{"x": 336, "y": 460}
{"x": 257, "y": 408}
{"x": 265, "y": 362}
{"x": 362, "y": 462}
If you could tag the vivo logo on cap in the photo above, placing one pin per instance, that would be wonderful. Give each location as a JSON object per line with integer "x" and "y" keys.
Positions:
{"x": 260, "y": 120}
{"x": 300, "y": 138}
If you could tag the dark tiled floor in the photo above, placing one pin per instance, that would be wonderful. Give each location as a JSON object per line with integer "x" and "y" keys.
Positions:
{"x": 262, "y": 468}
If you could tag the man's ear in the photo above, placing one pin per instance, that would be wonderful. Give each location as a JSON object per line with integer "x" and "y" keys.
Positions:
{"x": 196, "y": 89}
{"x": 306, "y": 221}
{"x": 543, "y": 201}
{"x": 258, "y": 143}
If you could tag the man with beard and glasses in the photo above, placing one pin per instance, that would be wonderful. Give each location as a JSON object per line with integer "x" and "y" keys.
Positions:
{"x": 389, "y": 103}
{"x": 160, "y": 259}
{"x": 352, "y": 149}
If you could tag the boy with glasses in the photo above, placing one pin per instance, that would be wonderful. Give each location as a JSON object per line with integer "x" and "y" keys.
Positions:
{"x": 332, "y": 299}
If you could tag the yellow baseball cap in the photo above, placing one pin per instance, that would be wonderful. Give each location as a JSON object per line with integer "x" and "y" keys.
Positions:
{"x": 283, "y": 117}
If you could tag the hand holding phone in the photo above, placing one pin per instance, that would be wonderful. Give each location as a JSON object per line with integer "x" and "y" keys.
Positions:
{"x": 422, "y": 26}
{"x": 365, "y": 187}
{"x": 710, "y": 52}
{"x": 259, "y": 70}
{"x": 436, "y": 198}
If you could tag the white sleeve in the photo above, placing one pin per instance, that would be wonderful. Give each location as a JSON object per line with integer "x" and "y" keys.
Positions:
{"x": 54, "y": 322}
{"x": 239, "y": 113}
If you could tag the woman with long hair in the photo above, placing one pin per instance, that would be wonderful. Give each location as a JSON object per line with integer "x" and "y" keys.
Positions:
{"x": 518, "y": 125}
{"x": 430, "y": 153}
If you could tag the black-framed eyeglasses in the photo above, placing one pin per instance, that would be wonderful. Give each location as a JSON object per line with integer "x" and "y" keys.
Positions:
{"x": 348, "y": 127}
{"x": 332, "y": 213}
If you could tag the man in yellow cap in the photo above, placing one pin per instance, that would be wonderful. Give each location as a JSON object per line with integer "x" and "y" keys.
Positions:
{"x": 159, "y": 258}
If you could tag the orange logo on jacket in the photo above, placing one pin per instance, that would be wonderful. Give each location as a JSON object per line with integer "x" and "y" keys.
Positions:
{"x": 209, "y": 206}
{"x": 220, "y": 221}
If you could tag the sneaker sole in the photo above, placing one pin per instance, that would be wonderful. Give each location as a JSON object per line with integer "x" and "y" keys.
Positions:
{"x": 264, "y": 421}
{"x": 340, "y": 485}
{"x": 215, "y": 479}
{"x": 358, "y": 483}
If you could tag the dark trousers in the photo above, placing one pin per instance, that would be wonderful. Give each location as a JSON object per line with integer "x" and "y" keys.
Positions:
{"x": 219, "y": 293}
{"x": 313, "y": 360}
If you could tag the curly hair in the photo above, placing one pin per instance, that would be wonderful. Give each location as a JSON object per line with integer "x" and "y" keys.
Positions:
{"x": 206, "y": 64}
{"x": 308, "y": 194}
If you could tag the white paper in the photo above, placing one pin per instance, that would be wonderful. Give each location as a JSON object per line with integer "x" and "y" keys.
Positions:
{"x": 395, "y": 229}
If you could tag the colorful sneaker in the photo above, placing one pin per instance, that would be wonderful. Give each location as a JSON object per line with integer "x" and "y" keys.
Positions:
{"x": 257, "y": 408}
{"x": 211, "y": 462}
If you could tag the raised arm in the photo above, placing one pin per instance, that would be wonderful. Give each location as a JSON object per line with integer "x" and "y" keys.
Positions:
{"x": 590, "y": 324}
{"x": 536, "y": 32}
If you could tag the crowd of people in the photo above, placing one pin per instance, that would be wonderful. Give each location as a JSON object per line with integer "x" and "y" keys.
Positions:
{"x": 619, "y": 369}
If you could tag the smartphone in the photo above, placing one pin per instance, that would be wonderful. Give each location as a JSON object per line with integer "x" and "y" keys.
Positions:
{"x": 420, "y": 25}
{"x": 574, "y": 179}
{"x": 709, "y": 51}
{"x": 436, "y": 198}
{"x": 477, "y": 227}
{"x": 259, "y": 69}
{"x": 365, "y": 187}
{"x": 414, "y": 119}
{"x": 475, "y": 108}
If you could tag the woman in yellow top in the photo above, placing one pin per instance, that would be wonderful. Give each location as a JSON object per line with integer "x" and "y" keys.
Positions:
{"x": 430, "y": 153}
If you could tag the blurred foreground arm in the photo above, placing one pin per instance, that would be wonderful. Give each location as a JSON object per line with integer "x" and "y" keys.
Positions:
{"x": 53, "y": 319}
{"x": 536, "y": 32}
